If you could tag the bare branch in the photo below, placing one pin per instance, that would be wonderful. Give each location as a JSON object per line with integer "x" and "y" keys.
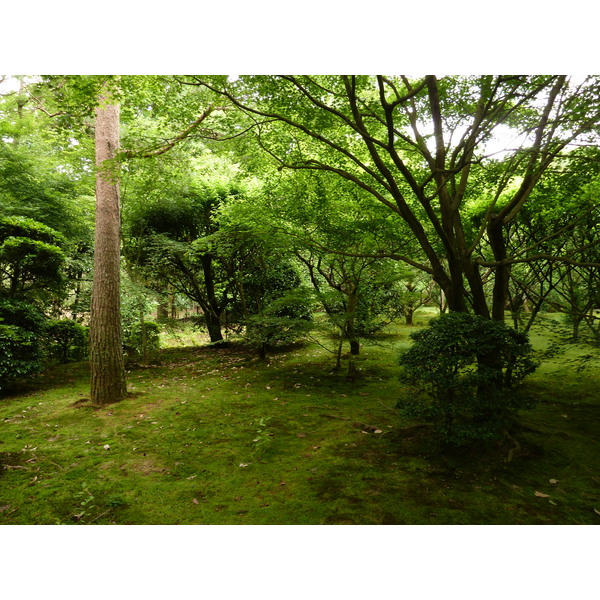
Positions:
{"x": 39, "y": 106}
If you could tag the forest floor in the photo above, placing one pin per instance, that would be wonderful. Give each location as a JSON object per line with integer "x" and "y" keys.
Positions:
{"x": 215, "y": 436}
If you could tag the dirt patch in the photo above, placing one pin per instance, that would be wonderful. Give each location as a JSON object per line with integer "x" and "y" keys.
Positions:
{"x": 79, "y": 403}
{"x": 10, "y": 460}
{"x": 145, "y": 466}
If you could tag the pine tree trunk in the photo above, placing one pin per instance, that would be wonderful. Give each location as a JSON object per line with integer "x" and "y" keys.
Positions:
{"x": 106, "y": 352}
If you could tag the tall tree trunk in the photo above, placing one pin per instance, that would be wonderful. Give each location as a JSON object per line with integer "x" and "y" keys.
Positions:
{"x": 106, "y": 352}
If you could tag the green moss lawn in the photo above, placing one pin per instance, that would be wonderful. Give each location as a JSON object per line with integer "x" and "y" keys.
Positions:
{"x": 215, "y": 436}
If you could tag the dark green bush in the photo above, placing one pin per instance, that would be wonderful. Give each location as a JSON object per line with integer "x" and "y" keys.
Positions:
{"x": 67, "y": 340}
{"x": 31, "y": 259}
{"x": 21, "y": 314}
{"x": 21, "y": 326}
{"x": 20, "y": 354}
{"x": 464, "y": 373}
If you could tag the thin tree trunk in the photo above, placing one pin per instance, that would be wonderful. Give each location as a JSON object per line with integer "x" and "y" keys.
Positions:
{"x": 338, "y": 356}
{"x": 213, "y": 314}
{"x": 162, "y": 310}
{"x": 575, "y": 329}
{"x": 213, "y": 324}
{"x": 502, "y": 274}
{"x": 144, "y": 333}
{"x": 262, "y": 351}
{"x": 106, "y": 352}
{"x": 350, "y": 320}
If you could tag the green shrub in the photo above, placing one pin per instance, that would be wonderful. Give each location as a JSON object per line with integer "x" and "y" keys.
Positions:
{"x": 21, "y": 327}
{"x": 21, "y": 314}
{"x": 31, "y": 259}
{"x": 133, "y": 339}
{"x": 24, "y": 227}
{"x": 67, "y": 340}
{"x": 283, "y": 321}
{"x": 378, "y": 306}
{"x": 464, "y": 373}
{"x": 20, "y": 354}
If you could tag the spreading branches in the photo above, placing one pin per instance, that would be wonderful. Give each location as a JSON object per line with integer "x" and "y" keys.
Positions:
{"x": 416, "y": 145}
{"x": 171, "y": 143}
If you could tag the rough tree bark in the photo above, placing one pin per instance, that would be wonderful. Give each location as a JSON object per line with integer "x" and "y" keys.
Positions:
{"x": 106, "y": 352}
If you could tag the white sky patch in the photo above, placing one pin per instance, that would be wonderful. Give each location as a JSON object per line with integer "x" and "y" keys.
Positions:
{"x": 503, "y": 142}
{"x": 9, "y": 85}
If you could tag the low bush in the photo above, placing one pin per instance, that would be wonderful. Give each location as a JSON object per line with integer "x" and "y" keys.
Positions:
{"x": 464, "y": 373}
{"x": 20, "y": 354}
{"x": 284, "y": 321}
{"x": 21, "y": 326}
{"x": 67, "y": 340}
{"x": 141, "y": 338}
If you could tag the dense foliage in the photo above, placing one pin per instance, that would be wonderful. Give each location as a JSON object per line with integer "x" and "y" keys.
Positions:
{"x": 67, "y": 340}
{"x": 21, "y": 328}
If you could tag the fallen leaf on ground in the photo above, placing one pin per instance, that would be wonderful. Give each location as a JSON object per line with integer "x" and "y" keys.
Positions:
{"x": 195, "y": 501}
{"x": 553, "y": 480}
{"x": 541, "y": 495}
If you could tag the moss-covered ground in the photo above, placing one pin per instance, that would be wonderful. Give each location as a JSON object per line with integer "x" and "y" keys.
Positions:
{"x": 215, "y": 436}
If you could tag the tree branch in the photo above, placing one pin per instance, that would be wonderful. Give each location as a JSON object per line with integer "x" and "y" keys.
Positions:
{"x": 172, "y": 142}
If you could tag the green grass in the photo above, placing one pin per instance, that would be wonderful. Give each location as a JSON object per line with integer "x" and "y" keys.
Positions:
{"x": 214, "y": 436}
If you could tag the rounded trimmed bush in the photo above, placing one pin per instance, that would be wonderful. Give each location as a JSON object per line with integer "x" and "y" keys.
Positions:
{"x": 464, "y": 374}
